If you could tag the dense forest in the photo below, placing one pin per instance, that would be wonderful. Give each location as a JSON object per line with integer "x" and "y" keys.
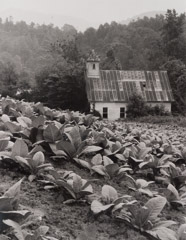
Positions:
{"x": 51, "y": 61}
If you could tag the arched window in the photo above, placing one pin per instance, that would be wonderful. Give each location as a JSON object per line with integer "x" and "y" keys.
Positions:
{"x": 94, "y": 66}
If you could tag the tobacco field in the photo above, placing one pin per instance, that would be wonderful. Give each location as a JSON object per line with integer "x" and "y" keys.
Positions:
{"x": 66, "y": 175}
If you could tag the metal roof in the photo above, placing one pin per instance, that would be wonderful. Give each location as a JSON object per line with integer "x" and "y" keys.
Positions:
{"x": 117, "y": 86}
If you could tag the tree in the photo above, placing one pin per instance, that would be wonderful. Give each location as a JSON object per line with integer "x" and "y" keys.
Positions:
{"x": 62, "y": 83}
{"x": 111, "y": 62}
{"x": 176, "y": 71}
{"x": 172, "y": 35}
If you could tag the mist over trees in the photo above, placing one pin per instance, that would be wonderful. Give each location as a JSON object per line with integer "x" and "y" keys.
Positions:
{"x": 51, "y": 61}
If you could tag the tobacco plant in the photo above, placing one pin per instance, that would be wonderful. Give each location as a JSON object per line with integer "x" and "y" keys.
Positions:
{"x": 176, "y": 176}
{"x": 9, "y": 204}
{"x": 155, "y": 163}
{"x": 140, "y": 185}
{"x": 145, "y": 219}
{"x": 110, "y": 200}
{"x": 20, "y": 234}
{"x": 136, "y": 154}
{"x": 181, "y": 233}
{"x": 76, "y": 187}
{"x": 104, "y": 166}
{"x": 32, "y": 162}
{"x": 174, "y": 198}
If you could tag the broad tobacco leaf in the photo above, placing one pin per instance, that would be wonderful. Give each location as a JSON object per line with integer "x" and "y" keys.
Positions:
{"x": 3, "y": 145}
{"x": 14, "y": 193}
{"x": 38, "y": 121}
{"x": 182, "y": 232}
{"x": 98, "y": 207}
{"x": 38, "y": 158}
{"x": 90, "y": 149}
{"x": 24, "y": 121}
{"x": 52, "y": 133}
{"x": 20, "y": 148}
{"x": 67, "y": 147}
{"x": 75, "y": 136}
{"x": 13, "y": 126}
{"x": 16, "y": 228}
{"x": 109, "y": 193}
{"x": 155, "y": 206}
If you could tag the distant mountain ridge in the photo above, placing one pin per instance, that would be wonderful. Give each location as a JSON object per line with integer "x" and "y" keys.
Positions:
{"x": 46, "y": 18}
{"x": 142, "y": 15}
{"x": 61, "y": 20}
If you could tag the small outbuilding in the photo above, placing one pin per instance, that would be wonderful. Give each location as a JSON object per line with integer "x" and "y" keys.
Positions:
{"x": 108, "y": 91}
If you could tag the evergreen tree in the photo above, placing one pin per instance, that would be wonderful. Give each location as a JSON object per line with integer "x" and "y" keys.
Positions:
{"x": 172, "y": 35}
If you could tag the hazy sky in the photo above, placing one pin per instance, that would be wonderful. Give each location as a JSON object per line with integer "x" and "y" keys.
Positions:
{"x": 95, "y": 10}
{"x": 83, "y": 13}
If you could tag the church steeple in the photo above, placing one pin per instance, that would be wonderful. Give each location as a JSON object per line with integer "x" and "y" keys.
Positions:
{"x": 92, "y": 65}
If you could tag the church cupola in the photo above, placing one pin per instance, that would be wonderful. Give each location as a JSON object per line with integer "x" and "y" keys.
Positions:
{"x": 92, "y": 65}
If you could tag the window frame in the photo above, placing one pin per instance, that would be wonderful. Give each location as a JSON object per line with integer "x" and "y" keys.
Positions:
{"x": 105, "y": 112}
{"x": 122, "y": 112}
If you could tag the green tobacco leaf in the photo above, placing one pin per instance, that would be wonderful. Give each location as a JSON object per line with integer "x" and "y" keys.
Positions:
{"x": 120, "y": 157}
{"x": 112, "y": 169}
{"x": 67, "y": 147}
{"x": 31, "y": 177}
{"x": 3, "y": 237}
{"x": 107, "y": 161}
{"x": 182, "y": 232}
{"x": 20, "y": 149}
{"x": 143, "y": 152}
{"x": 77, "y": 183}
{"x": 68, "y": 187}
{"x": 83, "y": 163}
{"x": 109, "y": 193}
{"x": 98, "y": 207}
{"x": 146, "y": 192}
{"x": 76, "y": 137}
{"x": 16, "y": 228}
{"x": 24, "y": 121}
{"x": 37, "y": 148}
{"x": 97, "y": 159}
{"x": 38, "y": 158}
{"x": 141, "y": 183}
{"x": 52, "y": 133}
{"x": 13, "y": 127}
{"x": 6, "y": 204}
{"x": 155, "y": 206}
{"x": 166, "y": 223}
{"x": 38, "y": 121}
{"x": 14, "y": 193}
{"x": 23, "y": 162}
{"x": 174, "y": 191}
{"x": 163, "y": 233}
{"x": 87, "y": 185}
{"x": 16, "y": 216}
{"x": 5, "y": 118}
{"x": 90, "y": 149}
{"x": 100, "y": 169}
{"x": 3, "y": 145}
{"x": 5, "y": 135}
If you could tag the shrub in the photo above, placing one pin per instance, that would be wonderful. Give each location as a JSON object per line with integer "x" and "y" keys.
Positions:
{"x": 136, "y": 106}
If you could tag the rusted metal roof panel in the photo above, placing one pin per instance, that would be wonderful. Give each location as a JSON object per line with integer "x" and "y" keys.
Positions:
{"x": 118, "y": 86}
